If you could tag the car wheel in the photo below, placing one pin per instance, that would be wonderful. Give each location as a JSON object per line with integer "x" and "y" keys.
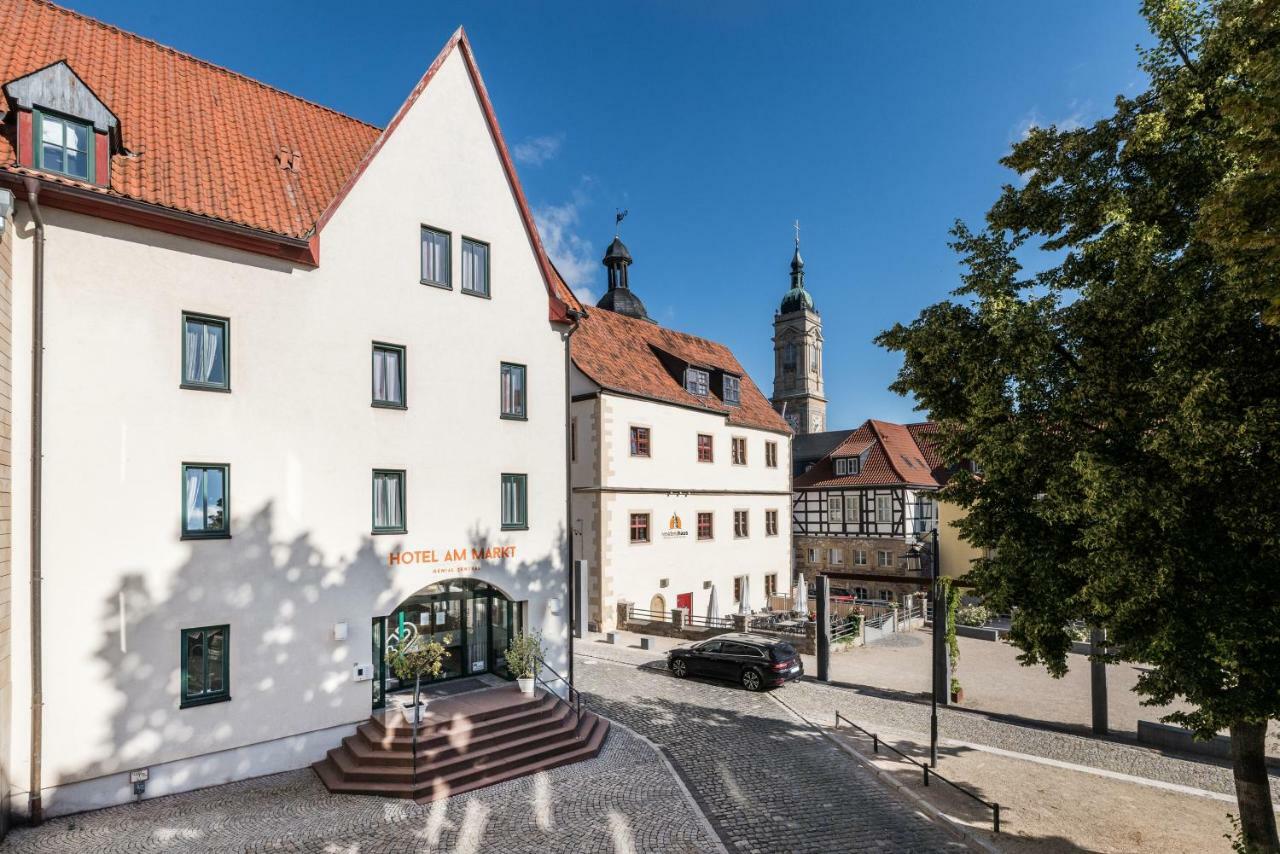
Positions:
{"x": 751, "y": 680}
{"x": 679, "y": 668}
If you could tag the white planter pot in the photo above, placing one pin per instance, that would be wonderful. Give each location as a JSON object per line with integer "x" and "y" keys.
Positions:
{"x": 526, "y": 685}
{"x": 406, "y": 709}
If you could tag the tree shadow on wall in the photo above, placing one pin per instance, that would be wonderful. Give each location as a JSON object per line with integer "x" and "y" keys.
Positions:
{"x": 287, "y": 673}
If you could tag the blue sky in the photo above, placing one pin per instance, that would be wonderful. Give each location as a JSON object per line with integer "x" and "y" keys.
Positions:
{"x": 717, "y": 124}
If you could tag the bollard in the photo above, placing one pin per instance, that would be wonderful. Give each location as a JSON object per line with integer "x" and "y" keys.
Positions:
{"x": 823, "y": 604}
{"x": 875, "y": 744}
{"x": 926, "y": 774}
{"x": 995, "y": 807}
{"x": 611, "y": 637}
{"x": 644, "y": 643}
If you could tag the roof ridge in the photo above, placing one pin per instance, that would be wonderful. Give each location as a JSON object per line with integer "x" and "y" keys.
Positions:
{"x": 204, "y": 62}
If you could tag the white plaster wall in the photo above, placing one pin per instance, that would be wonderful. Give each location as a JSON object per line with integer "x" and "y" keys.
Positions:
{"x": 301, "y": 438}
{"x": 634, "y": 573}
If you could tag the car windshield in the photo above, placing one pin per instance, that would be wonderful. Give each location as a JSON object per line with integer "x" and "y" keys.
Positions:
{"x": 782, "y": 651}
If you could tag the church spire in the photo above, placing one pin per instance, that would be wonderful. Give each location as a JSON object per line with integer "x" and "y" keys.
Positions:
{"x": 797, "y": 263}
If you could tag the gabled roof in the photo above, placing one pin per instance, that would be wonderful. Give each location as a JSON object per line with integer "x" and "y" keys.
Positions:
{"x": 211, "y": 145}
{"x": 891, "y": 456}
{"x": 623, "y": 354}
{"x": 808, "y": 448}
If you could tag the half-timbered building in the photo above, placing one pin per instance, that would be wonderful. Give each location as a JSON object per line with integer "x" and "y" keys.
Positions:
{"x": 861, "y": 499}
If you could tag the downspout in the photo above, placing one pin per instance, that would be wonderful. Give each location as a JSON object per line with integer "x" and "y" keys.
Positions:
{"x": 35, "y": 809}
{"x": 576, "y": 316}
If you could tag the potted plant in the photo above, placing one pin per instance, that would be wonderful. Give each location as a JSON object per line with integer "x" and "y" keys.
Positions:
{"x": 414, "y": 656}
{"x": 524, "y": 656}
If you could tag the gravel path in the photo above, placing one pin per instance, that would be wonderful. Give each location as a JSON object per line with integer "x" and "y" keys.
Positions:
{"x": 818, "y": 702}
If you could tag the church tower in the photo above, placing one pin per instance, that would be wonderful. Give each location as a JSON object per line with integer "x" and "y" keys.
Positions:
{"x": 797, "y": 355}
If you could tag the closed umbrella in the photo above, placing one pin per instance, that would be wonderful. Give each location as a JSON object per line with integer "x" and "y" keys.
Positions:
{"x": 744, "y": 607}
{"x": 801, "y": 598}
{"x": 713, "y": 606}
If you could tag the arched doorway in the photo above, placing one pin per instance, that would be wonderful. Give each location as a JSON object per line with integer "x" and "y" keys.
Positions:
{"x": 657, "y": 605}
{"x": 476, "y": 618}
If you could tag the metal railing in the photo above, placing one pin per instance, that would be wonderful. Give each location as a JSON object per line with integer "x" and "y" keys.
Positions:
{"x": 644, "y": 615}
{"x": 574, "y": 700}
{"x": 846, "y": 630}
{"x": 928, "y": 772}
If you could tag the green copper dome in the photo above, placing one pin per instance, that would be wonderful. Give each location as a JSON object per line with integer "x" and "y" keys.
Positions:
{"x": 796, "y": 299}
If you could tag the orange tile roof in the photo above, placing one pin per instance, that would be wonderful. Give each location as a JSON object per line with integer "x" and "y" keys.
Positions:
{"x": 620, "y": 354}
{"x": 197, "y": 138}
{"x": 895, "y": 455}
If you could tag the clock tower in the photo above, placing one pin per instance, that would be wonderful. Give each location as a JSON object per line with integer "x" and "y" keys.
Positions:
{"x": 797, "y": 355}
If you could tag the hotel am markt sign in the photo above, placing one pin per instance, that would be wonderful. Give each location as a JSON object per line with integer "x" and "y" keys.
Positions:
{"x": 446, "y": 561}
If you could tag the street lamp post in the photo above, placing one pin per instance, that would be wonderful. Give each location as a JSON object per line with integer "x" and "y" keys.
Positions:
{"x": 939, "y": 675}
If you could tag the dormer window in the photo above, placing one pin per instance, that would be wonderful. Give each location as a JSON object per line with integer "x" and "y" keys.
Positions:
{"x": 65, "y": 146}
{"x": 697, "y": 382}
{"x": 848, "y": 466}
{"x": 732, "y": 390}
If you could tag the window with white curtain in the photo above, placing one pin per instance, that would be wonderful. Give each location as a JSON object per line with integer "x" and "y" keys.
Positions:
{"x": 475, "y": 267}
{"x": 204, "y": 352}
{"x": 388, "y": 501}
{"x": 884, "y": 508}
{"x": 205, "y": 510}
{"x": 515, "y": 498}
{"x": 388, "y": 376}
{"x": 851, "y": 509}
{"x": 435, "y": 258}
{"x": 513, "y": 390}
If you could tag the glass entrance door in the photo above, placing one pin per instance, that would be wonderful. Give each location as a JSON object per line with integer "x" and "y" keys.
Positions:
{"x": 478, "y": 634}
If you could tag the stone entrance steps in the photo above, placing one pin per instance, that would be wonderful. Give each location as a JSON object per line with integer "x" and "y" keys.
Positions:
{"x": 465, "y": 742}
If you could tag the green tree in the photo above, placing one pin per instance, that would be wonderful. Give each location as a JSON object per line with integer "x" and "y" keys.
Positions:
{"x": 1124, "y": 402}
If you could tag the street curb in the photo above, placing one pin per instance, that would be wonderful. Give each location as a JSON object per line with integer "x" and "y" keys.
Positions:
{"x": 708, "y": 824}
{"x": 964, "y": 834}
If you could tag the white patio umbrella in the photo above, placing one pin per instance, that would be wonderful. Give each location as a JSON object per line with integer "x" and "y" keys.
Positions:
{"x": 744, "y": 607}
{"x": 801, "y": 599}
{"x": 713, "y": 606}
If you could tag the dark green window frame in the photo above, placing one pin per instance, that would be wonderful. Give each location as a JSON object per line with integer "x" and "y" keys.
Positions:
{"x": 211, "y": 320}
{"x": 520, "y": 520}
{"x": 206, "y": 533}
{"x": 488, "y": 284}
{"x": 205, "y": 696}
{"x": 379, "y": 346}
{"x": 520, "y": 413}
{"x": 400, "y": 482}
{"x": 38, "y": 118}
{"x": 447, "y": 282}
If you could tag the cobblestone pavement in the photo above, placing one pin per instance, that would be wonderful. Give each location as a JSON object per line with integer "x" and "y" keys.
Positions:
{"x": 624, "y": 800}
{"x": 766, "y": 780}
{"x": 819, "y": 702}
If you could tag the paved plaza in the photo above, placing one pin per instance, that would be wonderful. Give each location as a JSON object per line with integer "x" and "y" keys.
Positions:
{"x": 624, "y": 800}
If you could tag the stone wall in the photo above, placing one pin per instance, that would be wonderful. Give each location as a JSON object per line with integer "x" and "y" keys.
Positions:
{"x": 896, "y": 578}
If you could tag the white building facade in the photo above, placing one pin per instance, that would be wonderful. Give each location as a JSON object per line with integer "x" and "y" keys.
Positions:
{"x": 264, "y": 448}
{"x": 680, "y": 469}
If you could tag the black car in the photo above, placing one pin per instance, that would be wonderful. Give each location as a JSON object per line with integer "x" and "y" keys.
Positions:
{"x": 754, "y": 661}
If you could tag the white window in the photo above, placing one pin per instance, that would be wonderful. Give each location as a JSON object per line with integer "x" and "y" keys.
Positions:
{"x": 886, "y": 595}
{"x": 836, "y": 557}
{"x": 475, "y": 267}
{"x": 884, "y": 508}
{"x": 860, "y": 557}
{"x": 812, "y": 555}
{"x": 697, "y": 382}
{"x": 840, "y": 467}
{"x": 834, "y": 505}
{"x": 884, "y": 558}
{"x": 851, "y": 509}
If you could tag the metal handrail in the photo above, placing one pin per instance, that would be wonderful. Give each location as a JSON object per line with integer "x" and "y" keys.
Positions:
{"x": 875, "y": 748}
{"x": 575, "y": 701}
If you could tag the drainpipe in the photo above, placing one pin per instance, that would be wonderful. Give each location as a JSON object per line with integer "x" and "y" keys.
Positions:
{"x": 35, "y": 809}
{"x": 576, "y": 316}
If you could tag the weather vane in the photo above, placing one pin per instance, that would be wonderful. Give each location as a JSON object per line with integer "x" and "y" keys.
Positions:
{"x": 618, "y": 217}
{"x": 797, "y": 234}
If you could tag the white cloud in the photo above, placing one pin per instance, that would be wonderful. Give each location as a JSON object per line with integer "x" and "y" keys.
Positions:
{"x": 1074, "y": 120}
{"x": 537, "y": 150}
{"x": 572, "y": 254}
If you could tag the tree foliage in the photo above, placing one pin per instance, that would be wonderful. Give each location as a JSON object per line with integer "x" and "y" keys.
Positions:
{"x": 1124, "y": 401}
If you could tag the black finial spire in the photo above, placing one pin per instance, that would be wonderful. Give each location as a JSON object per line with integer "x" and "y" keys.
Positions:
{"x": 797, "y": 263}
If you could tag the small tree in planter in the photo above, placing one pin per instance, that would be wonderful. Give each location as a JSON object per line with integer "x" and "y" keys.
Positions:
{"x": 523, "y": 655}
{"x": 414, "y": 656}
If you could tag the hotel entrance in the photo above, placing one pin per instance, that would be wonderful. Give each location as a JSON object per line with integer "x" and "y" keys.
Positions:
{"x": 477, "y": 618}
